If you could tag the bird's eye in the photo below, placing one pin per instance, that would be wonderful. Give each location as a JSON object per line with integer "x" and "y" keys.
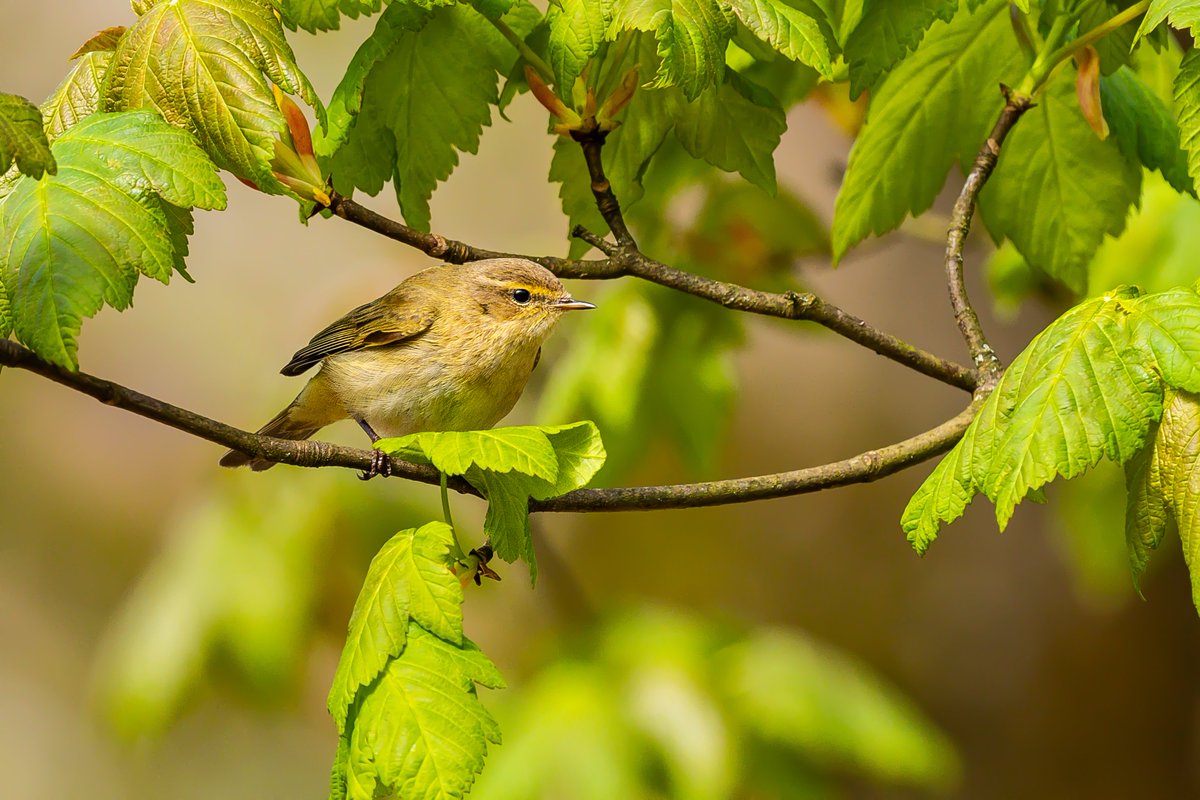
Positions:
{"x": 521, "y": 296}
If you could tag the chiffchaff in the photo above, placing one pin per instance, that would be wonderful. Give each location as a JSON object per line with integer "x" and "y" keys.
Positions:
{"x": 449, "y": 349}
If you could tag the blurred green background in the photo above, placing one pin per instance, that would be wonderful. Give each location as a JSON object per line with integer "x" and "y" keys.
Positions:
{"x": 170, "y": 628}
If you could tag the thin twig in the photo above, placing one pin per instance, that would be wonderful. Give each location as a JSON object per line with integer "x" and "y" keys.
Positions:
{"x": 869, "y": 466}
{"x": 982, "y": 355}
{"x": 591, "y": 140}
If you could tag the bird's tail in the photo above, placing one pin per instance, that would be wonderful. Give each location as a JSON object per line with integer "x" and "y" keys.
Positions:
{"x": 283, "y": 426}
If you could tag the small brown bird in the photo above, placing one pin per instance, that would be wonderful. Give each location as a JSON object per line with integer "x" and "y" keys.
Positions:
{"x": 449, "y": 349}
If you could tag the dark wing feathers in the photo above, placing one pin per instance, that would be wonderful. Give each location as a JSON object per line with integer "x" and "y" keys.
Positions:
{"x": 384, "y": 321}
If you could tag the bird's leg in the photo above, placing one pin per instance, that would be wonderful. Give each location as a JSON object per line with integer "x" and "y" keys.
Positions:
{"x": 380, "y": 463}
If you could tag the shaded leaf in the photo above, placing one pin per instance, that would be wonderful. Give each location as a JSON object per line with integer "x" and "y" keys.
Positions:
{"x": 1057, "y": 189}
{"x": 735, "y": 126}
{"x": 1187, "y": 100}
{"x": 901, "y": 157}
{"x": 22, "y": 139}
{"x": 887, "y": 32}
{"x": 1144, "y": 128}
{"x": 418, "y": 92}
{"x": 1164, "y": 487}
{"x": 324, "y": 15}
{"x": 577, "y": 30}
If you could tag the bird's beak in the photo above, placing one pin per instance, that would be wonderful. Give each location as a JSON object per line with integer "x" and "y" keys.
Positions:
{"x": 569, "y": 304}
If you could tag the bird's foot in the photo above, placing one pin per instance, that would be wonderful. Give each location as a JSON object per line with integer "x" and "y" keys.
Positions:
{"x": 380, "y": 465}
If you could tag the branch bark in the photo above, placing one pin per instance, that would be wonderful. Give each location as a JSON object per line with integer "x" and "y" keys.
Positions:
{"x": 628, "y": 261}
{"x": 984, "y": 358}
{"x": 863, "y": 468}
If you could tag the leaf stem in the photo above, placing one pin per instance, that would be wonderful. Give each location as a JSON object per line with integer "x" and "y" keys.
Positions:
{"x": 1043, "y": 68}
{"x": 531, "y": 58}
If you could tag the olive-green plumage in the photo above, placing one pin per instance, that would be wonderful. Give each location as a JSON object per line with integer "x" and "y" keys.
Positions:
{"x": 450, "y": 348}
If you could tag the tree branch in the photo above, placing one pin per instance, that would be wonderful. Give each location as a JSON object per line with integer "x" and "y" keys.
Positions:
{"x": 863, "y": 468}
{"x": 984, "y": 358}
{"x": 802, "y": 306}
{"x": 591, "y": 140}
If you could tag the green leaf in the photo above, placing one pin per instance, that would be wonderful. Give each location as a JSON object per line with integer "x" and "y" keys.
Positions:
{"x": 420, "y": 730}
{"x": 418, "y": 92}
{"x": 577, "y": 30}
{"x": 117, "y": 207}
{"x": 1164, "y": 487}
{"x": 900, "y": 159}
{"x": 1057, "y": 189}
{"x": 79, "y": 95}
{"x": 509, "y": 466}
{"x": 409, "y": 578}
{"x": 1167, "y": 328}
{"x": 22, "y": 139}
{"x": 208, "y": 66}
{"x": 1183, "y": 14}
{"x": 1187, "y": 100}
{"x": 887, "y": 32}
{"x": 734, "y": 126}
{"x": 787, "y": 29}
{"x": 324, "y": 15}
{"x": 692, "y": 36}
{"x": 1144, "y": 128}
{"x": 1081, "y": 391}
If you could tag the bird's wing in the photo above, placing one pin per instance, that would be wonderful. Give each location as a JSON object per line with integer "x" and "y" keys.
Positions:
{"x": 380, "y": 322}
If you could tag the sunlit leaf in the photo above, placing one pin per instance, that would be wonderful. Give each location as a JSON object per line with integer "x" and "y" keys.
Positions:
{"x": 116, "y": 208}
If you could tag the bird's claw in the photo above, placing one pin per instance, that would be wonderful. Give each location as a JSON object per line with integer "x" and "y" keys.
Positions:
{"x": 380, "y": 465}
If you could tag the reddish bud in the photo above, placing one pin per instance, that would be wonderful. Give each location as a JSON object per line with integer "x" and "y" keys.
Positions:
{"x": 1087, "y": 89}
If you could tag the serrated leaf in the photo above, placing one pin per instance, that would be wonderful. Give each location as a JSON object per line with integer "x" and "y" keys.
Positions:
{"x": 207, "y": 66}
{"x": 80, "y": 95}
{"x": 1167, "y": 328}
{"x": 22, "y": 139}
{"x": 577, "y": 30}
{"x": 1083, "y": 390}
{"x": 787, "y": 29}
{"x": 324, "y": 15}
{"x": 887, "y": 32}
{"x": 420, "y": 730}
{"x": 509, "y": 466}
{"x": 417, "y": 93}
{"x": 409, "y": 578}
{"x": 1144, "y": 128}
{"x": 900, "y": 159}
{"x": 77, "y": 240}
{"x": 6, "y": 322}
{"x": 524, "y": 449}
{"x": 1187, "y": 100}
{"x": 1164, "y": 484}
{"x": 735, "y": 126}
{"x": 1057, "y": 189}
{"x": 1183, "y": 14}
{"x": 692, "y": 36}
